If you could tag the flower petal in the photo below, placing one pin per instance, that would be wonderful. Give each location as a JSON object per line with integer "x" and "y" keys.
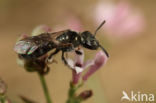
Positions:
{"x": 100, "y": 58}
{"x": 76, "y": 77}
{"x": 78, "y": 69}
{"x": 88, "y": 63}
{"x": 99, "y": 61}
{"x": 70, "y": 63}
{"x": 79, "y": 58}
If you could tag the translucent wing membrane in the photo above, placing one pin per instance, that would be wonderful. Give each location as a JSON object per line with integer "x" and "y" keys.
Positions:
{"x": 32, "y": 49}
{"x": 25, "y": 47}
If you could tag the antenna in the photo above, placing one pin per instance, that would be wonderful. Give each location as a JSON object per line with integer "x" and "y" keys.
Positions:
{"x": 99, "y": 27}
{"x": 104, "y": 50}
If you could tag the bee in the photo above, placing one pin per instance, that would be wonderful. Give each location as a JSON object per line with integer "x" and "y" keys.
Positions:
{"x": 65, "y": 41}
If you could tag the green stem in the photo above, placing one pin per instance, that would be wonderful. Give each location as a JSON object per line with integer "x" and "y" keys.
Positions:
{"x": 72, "y": 98}
{"x": 45, "y": 88}
{"x": 71, "y": 94}
{"x": 2, "y": 99}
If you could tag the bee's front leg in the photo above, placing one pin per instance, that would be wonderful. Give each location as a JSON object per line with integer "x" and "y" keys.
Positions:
{"x": 77, "y": 51}
{"x": 66, "y": 47}
{"x": 63, "y": 59}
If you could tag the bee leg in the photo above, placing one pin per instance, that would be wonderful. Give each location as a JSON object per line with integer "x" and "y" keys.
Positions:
{"x": 49, "y": 59}
{"x": 78, "y": 52}
{"x": 63, "y": 58}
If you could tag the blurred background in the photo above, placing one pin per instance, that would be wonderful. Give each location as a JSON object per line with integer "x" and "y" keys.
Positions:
{"x": 128, "y": 35}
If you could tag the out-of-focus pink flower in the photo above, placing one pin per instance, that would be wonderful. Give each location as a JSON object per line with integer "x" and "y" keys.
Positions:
{"x": 74, "y": 23}
{"x": 71, "y": 22}
{"x": 41, "y": 29}
{"x": 78, "y": 65}
{"x": 121, "y": 19}
{"x": 22, "y": 36}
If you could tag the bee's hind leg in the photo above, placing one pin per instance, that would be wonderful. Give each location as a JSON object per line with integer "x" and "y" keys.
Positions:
{"x": 50, "y": 57}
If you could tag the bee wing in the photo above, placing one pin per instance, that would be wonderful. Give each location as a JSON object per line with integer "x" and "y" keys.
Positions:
{"x": 54, "y": 35}
{"x": 25, "y": 47}
{"x": 29, "y": 45}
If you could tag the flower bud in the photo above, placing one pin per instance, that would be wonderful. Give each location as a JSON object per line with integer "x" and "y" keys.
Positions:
{"x": 3, "y": 87}
{"x": 7, "y": 101}
{"x": 85, "y": 94}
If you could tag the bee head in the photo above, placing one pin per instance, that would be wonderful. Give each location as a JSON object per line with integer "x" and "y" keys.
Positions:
{"x": 89, "y": 41}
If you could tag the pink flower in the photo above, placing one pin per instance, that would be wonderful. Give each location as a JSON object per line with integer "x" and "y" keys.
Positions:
{"x": 71, "y": 22}
{"x": 78, "y": 65}
{"x": 121, "y": 19}
{"x": 41, "y": 29}
{"x": 74, "y": 23}
{"x": 99, "y": 60}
